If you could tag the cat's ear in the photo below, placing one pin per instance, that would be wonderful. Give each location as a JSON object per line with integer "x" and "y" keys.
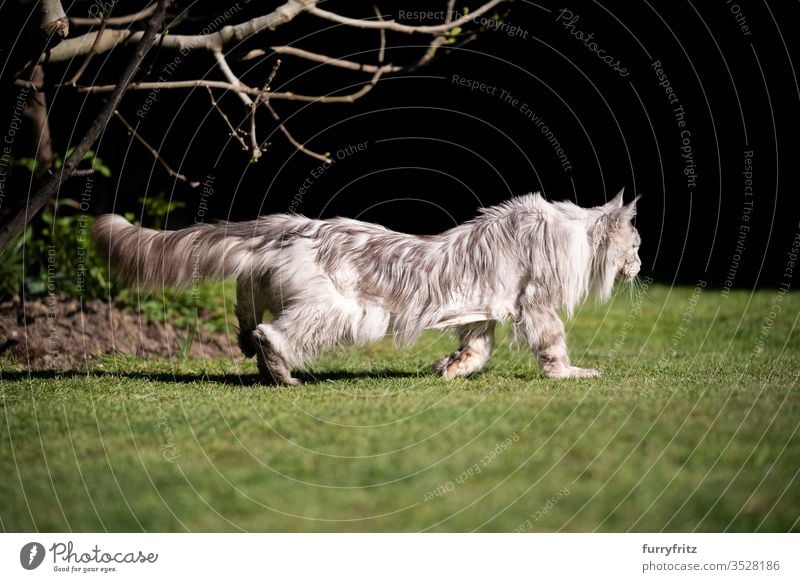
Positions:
{"x": 612, "y": 220}
{"x": 626, "y": 213}
{"x": 615, "y": 202}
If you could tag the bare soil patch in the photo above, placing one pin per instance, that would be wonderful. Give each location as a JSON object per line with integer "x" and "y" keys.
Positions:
{"x": 65, "y": 334}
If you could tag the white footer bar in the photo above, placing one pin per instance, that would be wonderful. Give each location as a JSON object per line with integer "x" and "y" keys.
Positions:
{"x": 389, "y": 557}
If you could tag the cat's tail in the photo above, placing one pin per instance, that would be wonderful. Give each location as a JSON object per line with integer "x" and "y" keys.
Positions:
{"x": 174, "y": 259}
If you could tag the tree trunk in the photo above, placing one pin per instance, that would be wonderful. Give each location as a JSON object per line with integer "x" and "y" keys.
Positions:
{"x": 51, "y": 185}
{"x": 35, "y": 115}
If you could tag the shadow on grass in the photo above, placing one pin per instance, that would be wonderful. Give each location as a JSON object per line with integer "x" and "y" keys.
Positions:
{"x": 242, "y": 380}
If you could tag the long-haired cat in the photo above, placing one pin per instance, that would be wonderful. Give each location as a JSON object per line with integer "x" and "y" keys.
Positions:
{"x": 328, "y": 282}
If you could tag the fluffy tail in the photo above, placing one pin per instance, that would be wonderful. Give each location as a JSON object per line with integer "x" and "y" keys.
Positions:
{"x": 177, "y": 259}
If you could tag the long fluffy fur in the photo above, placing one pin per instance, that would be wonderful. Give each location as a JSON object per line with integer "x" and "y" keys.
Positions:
{"x": 343, "y": 280}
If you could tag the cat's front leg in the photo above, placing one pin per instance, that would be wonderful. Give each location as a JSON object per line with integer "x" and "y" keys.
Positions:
{"x": 477, "y": 342}
{"x": 544, "y": 332}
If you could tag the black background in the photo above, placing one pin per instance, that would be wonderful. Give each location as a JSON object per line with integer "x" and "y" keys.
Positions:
{"x": 436, "y": 151}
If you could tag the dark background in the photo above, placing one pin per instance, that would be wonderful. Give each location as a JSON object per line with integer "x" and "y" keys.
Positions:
{"x": 436, "y": 151}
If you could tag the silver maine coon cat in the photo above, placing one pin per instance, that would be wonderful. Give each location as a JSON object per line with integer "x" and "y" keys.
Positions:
{"x": 328, "y": 282}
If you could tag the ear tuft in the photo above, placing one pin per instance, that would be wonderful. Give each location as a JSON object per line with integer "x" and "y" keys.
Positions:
{"x": 630, "y": 207}
{"x": 615, "y": 203}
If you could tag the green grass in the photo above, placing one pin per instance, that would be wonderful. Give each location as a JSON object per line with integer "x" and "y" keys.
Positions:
{"x": 700, "y": 438}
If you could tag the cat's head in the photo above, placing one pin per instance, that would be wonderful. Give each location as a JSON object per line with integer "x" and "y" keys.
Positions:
{"x": 617, "y": 241}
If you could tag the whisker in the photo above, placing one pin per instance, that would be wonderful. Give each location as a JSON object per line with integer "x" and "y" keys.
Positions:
{"x": 642, "y": 288}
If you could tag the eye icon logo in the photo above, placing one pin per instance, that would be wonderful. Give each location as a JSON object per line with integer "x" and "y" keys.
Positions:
{"x": 31, "y": 555}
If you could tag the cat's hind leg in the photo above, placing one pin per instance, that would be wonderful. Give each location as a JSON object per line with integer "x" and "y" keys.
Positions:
{"x": 298, "y": 334}
{"x": 269, "y": 343}
{"x": 252, "y": 299}
{"x": 272, "y": 351}
{"x": 477, "y": 342}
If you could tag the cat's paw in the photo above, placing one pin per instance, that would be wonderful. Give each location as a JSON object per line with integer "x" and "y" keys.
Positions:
{"x": 269, "y": 379}
{"x": 449, "y": 366}
{"x": 576, "y": 372}
{"x": 439, "y": 366}
{"x": 572, "y": 372}
{"x": 460, "y": 364}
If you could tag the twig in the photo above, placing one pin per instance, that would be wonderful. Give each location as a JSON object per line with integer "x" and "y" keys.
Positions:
{"x": 255, "y": 150}
{"x": 234, "y": 131}
{"x": 74, "y": 80}
{"x": 326, "y": 60}
{"x": 284, "y": 130}
{"x": 255, "y": 147}
{"x": 382, "y": 49}
{"x": 271, "y": 77}
{"x": 364, "y": 90}
{"x": 259, "y": 98}
{"x": 262, "y": 96}
{"x": 439, "y": 40}
{"x": 451, "y": 6}
{"x": 297, "y": 145}
{"x": 117, "y": 20}
{"x": 154, "y": 152}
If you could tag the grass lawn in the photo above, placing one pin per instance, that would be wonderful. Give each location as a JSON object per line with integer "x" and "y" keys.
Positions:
{"x": 694, "y": 427}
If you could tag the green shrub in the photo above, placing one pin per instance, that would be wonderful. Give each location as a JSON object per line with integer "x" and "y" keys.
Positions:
{"x": 55, "y": 255}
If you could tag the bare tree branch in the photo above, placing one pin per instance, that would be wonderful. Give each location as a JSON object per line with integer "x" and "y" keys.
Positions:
{"x": 117, "y": 20}
{"x": 326, "y": 60}
{"x": 282, "y": 126}
{"x": 261, "y": 96}
{"x": 110, "y": 38}
{"x": 232, "y": 34}
{"x": 50, "y": 187}
{"x": 105, "y": 39}
{"x": 35, "y": 85}
{"x": 154, "y": 152}
{"x": 53, "y": 18}
{"x": 241, "y": 88}
{"x": 148, "y": 85}
{"x": 76, "y": 77}
{"x": 397, "y": 27}
{"x": 233, "y": 79}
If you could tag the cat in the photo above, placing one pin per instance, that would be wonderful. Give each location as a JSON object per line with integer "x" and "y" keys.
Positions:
{"x": 329, "y": 282}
